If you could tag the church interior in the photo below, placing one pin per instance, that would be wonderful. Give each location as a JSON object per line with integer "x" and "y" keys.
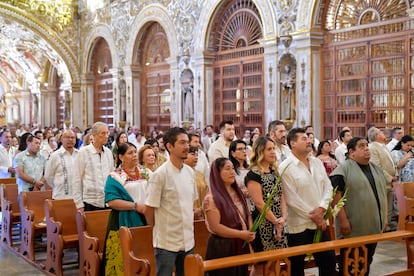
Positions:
{"x": 161, "y": 63}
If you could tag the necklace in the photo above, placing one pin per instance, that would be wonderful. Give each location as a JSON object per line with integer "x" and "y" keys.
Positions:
{"x": 131, "y": 176}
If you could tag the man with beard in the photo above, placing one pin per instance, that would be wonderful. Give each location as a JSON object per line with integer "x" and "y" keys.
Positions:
{"x": 30, "y": 166}
{"x": 220, "y": 148}
{"x": 171, "y": 193}
{"x": 277, "y": 132}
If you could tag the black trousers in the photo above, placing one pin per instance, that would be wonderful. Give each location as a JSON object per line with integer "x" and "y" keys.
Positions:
{"x": 326, "y": 261}
{"x": 90, "y": 207}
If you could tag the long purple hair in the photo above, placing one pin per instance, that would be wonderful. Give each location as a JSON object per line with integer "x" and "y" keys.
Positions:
{"x": 229, "y": 214}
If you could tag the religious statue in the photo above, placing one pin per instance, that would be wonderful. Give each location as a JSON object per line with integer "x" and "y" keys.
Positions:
{"x": 288, "y": 92}
{"x": 188, "y": 106}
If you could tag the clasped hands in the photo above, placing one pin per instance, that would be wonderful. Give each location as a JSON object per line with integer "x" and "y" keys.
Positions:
{"x": 317, "y": 216}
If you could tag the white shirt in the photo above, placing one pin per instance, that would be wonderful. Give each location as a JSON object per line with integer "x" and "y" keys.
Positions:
{"x": 340, "y": 153}
{"x": 282, "y": 153}
{"x": 391, "y": 144}
{"x": 90, "y": 172}
{"x": 202, "y": 164}
{"x": 304, "y": 191}
{"x": 6, "y": 160}
{"x": 132, "y": 138}
{"x": 172, "y": 193}
{"x": 59, "y": 173}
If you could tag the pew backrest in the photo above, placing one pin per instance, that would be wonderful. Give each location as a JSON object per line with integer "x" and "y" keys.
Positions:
{"x": 9, "y": 195}
{"x": 63, "y": 211}
{"x": 92, "y": 227}
{"x": 201, "y": 235}
{"x": 34, "y": 202}
{"x": 137, "y": 250}
{"x": 403, "y": 190}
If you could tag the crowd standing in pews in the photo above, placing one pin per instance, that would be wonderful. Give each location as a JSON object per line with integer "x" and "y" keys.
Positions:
{"x": 173, "y": 171}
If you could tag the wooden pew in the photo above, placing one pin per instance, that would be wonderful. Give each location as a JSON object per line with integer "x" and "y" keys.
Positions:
{"x": 196, "y": 266}
{"x": 91, "y": 234}
{"x": 137, "y": 250}
{"x": 402, "y": 191}
{"x": 201, "y": 235}
{"x": 11, "y": 180}
{"x": 32, "y": 219}
{"x": 10, "y": 212}
{"x": 61, "y": 232}
{"x": 136, "y": 245}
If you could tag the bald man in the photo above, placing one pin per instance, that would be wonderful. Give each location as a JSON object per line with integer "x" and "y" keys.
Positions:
{"x": 60, "y": 167}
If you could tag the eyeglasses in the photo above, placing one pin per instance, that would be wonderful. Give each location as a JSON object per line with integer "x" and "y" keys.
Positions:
{"x": 241, "y": 149}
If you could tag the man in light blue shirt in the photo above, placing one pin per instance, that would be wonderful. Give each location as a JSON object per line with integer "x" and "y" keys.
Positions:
{"x": 30, "y": 167}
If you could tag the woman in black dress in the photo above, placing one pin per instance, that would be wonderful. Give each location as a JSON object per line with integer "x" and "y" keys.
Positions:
{"x": 260, "y": 181}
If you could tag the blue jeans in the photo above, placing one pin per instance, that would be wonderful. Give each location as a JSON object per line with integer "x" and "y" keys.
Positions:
{"x": 166, "y": 260}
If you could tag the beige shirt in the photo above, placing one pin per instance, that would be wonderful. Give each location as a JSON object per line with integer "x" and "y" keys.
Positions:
{"x": 89, "y": 176}
{"x": 172, "y": 192}
{"x": 220, "y": 148}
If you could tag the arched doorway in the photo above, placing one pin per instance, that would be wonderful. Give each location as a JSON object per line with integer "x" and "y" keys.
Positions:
{"x": 238, "y": 66}
{"x": 155, "y": 79}
{"x": 103, "y": 92}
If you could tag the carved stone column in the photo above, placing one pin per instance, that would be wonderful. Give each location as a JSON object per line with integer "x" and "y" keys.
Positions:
{"x": 25, "y": 106}
{"x": 132, "y": 77}
{"x": 176, "y": 107}
{"x": 77, "y": 105}
{"x": 270, "y": 80}
{"x": 48, "y": 98}
{"x": 85, "y": 101}
{"x": 203, "y": 87}
{"x": 308, "y": 46}
{"x": 117, "y": 74}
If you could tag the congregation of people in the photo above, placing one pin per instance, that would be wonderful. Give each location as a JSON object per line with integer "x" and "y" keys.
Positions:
{"x": 170, "y": 178}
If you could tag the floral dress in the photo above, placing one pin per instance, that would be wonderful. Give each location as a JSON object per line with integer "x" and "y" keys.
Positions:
{"x": 265, "y": 236}
{"x": 406, "y": 172}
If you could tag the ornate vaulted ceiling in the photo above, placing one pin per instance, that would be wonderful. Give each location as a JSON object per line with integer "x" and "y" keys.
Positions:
{"x": 25, "y": 55}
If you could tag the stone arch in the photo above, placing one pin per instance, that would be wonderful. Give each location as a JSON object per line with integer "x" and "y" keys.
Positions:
{"x": 266, "y": 11}
{"x": 40, "y": 29}
{"x": 101, "y": 31}
{"x": 149, "y": 14}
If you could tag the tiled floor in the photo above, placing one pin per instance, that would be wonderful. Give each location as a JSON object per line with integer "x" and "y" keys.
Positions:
{"x": 390, "y": 257}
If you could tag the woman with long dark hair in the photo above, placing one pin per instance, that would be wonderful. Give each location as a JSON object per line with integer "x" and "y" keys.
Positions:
{"x": 325, "y": 154}
{"x": 227, "y": 218}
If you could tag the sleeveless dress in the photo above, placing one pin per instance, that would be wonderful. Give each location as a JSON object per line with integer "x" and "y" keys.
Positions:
{"x": 265, "y": 234}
